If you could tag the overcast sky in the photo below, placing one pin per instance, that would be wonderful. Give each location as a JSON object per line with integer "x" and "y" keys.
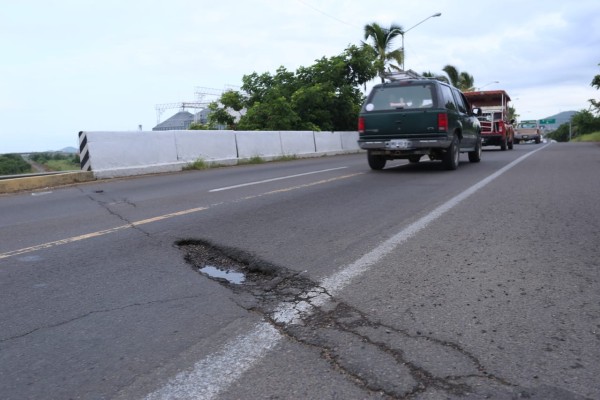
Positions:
{"x": 72, "y": 65}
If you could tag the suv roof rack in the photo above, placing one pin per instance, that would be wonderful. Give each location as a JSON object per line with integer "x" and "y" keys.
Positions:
{"x": 402, "y": 75}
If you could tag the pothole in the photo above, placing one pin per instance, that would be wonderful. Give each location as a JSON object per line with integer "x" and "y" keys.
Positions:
{"x": 380, "y": 358}
{"x": 220, "y": 273}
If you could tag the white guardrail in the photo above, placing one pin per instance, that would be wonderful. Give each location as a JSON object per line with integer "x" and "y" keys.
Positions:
{"x": 118, "y": 154}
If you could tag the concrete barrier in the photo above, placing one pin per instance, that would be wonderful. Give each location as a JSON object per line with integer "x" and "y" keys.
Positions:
{"x": 264, "y": 144}
{"x": 328, "y": 143}
{"x": 297, "y": 143}
{"x": 116, "y": 154}
{"x": 349, "y": 141}
{"x": 210, "y": 146}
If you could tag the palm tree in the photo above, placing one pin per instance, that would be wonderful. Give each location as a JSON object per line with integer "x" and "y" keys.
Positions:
{"x": 461, "y": 80}
{"x": 429, "y": 74}
{"x": 381, "y": 43}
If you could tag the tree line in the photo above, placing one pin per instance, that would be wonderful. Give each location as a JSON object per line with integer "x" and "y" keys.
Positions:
{"x": 325, "y": 96}
{"x": 14, "y": 164}
{"x": 583, "y": 122}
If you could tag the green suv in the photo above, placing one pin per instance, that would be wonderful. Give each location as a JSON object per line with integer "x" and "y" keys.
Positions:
{"x": 414, "y": 117}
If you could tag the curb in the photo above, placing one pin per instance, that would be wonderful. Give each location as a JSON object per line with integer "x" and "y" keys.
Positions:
{"x": 38, "y": 182}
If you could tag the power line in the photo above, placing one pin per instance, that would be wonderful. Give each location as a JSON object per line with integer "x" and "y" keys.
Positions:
{"x": 327, "y": 15}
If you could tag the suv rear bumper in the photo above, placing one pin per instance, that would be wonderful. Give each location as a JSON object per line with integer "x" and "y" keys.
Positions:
{"x": 527, "y": 136}
{"x": 405, "y": 144}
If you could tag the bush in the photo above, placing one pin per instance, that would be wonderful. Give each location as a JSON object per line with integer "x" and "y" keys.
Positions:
{"x": 57, "y": 161}
{"x": 12, "y": 164}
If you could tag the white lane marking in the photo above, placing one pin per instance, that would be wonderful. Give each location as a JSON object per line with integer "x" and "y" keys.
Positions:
{"x": 274, "y": 179}
{"x": 207, "y": 379}
{"x": 222, "y": 368}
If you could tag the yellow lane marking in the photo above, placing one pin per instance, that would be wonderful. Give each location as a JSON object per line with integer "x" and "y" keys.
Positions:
{"x": 96, "y": 234}
{"x": 155, "y": 219}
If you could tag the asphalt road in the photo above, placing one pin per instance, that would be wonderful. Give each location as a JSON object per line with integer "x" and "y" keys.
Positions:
{"x": 330, "y": 281}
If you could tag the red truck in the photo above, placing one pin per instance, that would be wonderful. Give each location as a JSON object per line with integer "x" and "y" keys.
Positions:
{"x": 496, "y": 128}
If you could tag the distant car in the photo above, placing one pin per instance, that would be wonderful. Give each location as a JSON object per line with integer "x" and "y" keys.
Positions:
{"x": 411, "y": 117}
{"x": 528, "y": 131}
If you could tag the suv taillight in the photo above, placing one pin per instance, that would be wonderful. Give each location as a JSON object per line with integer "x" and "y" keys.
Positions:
{"x": 442, "y": 122}
{"x": 361, "y": 125}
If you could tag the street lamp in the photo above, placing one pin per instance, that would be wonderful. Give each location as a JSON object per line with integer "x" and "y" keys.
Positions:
{"x": 487, "y": 84}
{"x": 403, "y": 32}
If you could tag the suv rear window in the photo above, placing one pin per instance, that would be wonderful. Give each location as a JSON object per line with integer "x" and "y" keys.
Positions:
{"x": 448, "y": 99}
{"x": 400, "y": 97}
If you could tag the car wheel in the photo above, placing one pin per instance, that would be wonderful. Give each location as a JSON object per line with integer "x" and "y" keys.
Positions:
{"x": 504, "y": 144}
{"x": 538, "y": 141}
{"x": 414, "y": 159}
{"x": 475, "y": 155}
{"x": 510, "y": 144}
{"x": 451, "y": 157}
{"x": 376, "y": 161}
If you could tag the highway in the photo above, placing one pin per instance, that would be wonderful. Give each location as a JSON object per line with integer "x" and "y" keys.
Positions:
{"x": 309, "y": 279}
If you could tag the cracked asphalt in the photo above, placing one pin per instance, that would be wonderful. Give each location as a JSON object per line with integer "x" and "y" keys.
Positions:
{"x": 495, "y": 299}
{"x": 383, "y": 359}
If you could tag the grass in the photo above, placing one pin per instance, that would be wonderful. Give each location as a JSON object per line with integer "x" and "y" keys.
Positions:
{"x": 286, "y": 158}
{"x": 61, "y": 165}
{"x": 590, "y": 137}
{"x": 200, "y": 164}
{"x": 197, "y": 165}
{"x": 251, "y": 160}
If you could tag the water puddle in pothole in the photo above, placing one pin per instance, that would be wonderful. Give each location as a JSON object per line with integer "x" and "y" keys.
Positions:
{"x": 230, "y": 276}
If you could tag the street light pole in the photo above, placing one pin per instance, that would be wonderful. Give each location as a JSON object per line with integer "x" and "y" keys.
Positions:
{"x": 487, "y": 84}
{"x": 414, "y": 26}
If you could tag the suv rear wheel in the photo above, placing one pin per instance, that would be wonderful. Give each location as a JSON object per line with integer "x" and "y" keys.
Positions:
{"x": 451, "y": 157}
{"x": 475, "y": 155}
{"x": 376, "y": 161}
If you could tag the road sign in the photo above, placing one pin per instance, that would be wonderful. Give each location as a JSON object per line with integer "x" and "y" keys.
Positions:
{"x": 547, "y": 121}
{"x": 532, "y": 121}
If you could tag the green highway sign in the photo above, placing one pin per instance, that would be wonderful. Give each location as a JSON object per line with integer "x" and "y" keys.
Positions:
{"x": 547, "y": 121}
{"x": 533, "y": 121}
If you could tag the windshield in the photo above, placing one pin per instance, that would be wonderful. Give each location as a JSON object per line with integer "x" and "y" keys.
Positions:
{"x": 527, "y": 126}
{"x": 400, "y": 97}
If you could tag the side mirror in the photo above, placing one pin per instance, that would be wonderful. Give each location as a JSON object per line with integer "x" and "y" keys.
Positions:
{"x": 512, "y": 121}
{"x": 477, "y": 111}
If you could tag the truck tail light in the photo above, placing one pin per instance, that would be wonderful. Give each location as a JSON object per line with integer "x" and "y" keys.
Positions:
{"x": 361, "y": 125}
{"x": 443, "y": 122}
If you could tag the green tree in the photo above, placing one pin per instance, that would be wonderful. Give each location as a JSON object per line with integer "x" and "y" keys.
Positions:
{"x": 324, "y": 96}
{"x": 199, "y": 126}
{"x": 512, "y": 113}
{"x": 585, "y": 122}
{"x": 276, "y": 114}
{"x": 595, "y": 104}
{"x": 429, "y": 74}
{"x": 220, "y": 116}
{"x": 561, "y": 134}
{"x": 12, "y": 164}
{"x": 380, "y": 45}
{"x": 461, "y": 80}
